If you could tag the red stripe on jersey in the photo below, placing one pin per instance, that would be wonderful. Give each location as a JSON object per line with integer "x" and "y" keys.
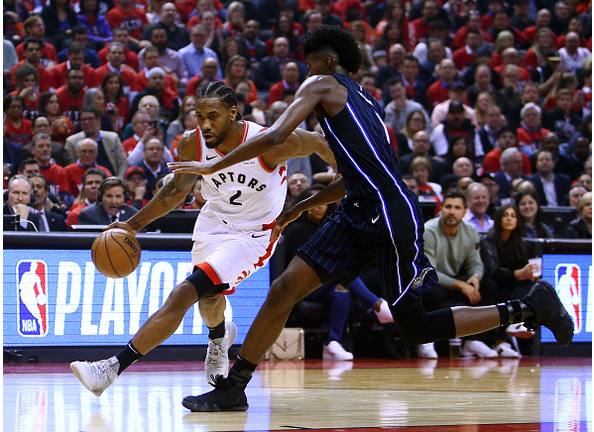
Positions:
{"x": 198, "y": 135}
{"x": 210, "y": 272}
{"x": 264, "y": 165}
{"x": 267, "y": 255}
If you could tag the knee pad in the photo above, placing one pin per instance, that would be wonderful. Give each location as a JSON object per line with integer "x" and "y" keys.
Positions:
{"x": 203, "y": 284}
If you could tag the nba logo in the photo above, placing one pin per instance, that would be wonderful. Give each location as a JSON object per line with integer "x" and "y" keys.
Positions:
{"x": 32, "y": 295}
{"x": 568, "y": 285}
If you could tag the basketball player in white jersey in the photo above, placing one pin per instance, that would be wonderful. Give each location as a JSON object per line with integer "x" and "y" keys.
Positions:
{"x": 232, "y": 235}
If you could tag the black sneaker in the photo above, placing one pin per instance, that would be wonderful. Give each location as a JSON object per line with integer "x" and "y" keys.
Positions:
{"x": 225, "y": 397}
{"x": 549, "y": 312}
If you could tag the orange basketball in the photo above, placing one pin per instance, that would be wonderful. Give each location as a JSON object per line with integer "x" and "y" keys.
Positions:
{"x": 116, "y": 253}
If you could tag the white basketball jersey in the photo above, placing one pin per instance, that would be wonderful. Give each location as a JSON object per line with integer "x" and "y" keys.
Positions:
{"x": 246, "y": 194}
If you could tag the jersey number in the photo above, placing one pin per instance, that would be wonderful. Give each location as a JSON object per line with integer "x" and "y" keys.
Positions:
{"x": 233, "y": 201}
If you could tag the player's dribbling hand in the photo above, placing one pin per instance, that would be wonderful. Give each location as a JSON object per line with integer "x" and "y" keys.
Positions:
{"x": 282, "y": 221}
{"x": 122, "y": 225}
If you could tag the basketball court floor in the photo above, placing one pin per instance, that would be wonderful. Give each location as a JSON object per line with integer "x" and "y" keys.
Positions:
{"x": 529, "y": 394}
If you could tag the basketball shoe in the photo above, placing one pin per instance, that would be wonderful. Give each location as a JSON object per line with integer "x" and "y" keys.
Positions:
{"x": 96, "y": 376}
{"x": 549, "y": 312}
{"x": 228, "y": 395}
{"x": 217, "y": 356}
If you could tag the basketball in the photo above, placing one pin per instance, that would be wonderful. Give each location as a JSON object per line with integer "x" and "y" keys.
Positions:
{"x": 116, "y": 253}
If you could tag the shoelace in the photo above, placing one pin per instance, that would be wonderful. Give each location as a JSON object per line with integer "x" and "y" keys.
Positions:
{"x": 101, "y": 369}
{"x": 214, "y": 352}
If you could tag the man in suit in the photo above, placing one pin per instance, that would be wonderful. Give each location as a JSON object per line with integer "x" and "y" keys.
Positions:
{"x": 20, "y": 195}
{"x": 110, "y": 207}
{"x": 552, "y": 187}
{"x": 512, "y": 165}
{"x": 48, "y": 219}
{"x": 111, "y": 154}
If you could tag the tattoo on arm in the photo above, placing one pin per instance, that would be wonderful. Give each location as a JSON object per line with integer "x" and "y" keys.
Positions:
{"x": 175, "y": 187}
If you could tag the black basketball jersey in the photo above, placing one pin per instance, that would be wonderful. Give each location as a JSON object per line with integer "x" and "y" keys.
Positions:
{"x": 361, "y": 144}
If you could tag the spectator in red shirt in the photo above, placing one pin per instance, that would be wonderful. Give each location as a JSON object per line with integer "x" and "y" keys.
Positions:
{"x": 88, "y": 194}
{"x": 543, "y": 19}
{"x": 473, "y": 23}
{"x": 121, "y": 35}
{"x": 290, "y": 81}
{"x": 501, "y": 23}
{"x": 32, "y": 54}
{"x": 152, "y": 59}
{"x": 530, "y": 134}
{"x": 18, "y": 129}
{"x": 35, "y": 29}
{"x": 128, "y": 16}
{"x": 140, "y": 123}
{"x": 419, "y": 28}
{"x": 117, "y": 105}
{"x": 136, "y": 178}
{"x": 543, "y": 43}
{"x": 439, "y": 90}
{"x": 76, "y": 57}
{"x": 41, "y": 149}
{"x": 511, "y": 56}
{"x": 209, "y": 69}
{"x": 86, "y": 153}
{"x": 467, "y": 54}
{"x": 506, "y": 138}
{"x": 576, "y": 26}
{"x": 115, "y": 63}
{"x": 27, "y": 87}
{"x": 70, "y": 96}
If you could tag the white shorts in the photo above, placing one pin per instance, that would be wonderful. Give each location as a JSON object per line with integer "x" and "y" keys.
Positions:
{"x": 232, "y": 255}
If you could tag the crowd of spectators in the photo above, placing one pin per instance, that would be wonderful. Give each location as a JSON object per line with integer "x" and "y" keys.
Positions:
{"x": 489, "y": 99}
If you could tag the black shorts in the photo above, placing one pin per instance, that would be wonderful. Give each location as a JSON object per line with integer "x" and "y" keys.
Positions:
{"x": 383, "y": 231}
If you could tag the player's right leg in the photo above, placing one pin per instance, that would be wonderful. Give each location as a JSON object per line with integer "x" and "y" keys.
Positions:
{"x": 99, "y": 375}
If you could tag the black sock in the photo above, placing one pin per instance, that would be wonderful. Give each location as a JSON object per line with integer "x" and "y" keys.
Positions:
{"x": 127, "y": 356}
{"x": 241, "y": 372}
{"x": 217, "y": 332}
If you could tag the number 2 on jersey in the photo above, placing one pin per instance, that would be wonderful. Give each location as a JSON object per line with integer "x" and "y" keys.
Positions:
{"x": 233, "y": 199}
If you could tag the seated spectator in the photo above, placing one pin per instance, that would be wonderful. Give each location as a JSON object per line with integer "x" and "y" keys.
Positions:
{"x": 284, "y": 28}
{"x": 176, "y": 127}
{"x": 512, "y": 165}
{"x": 467, "y": 54}
{"x": 415, "y": 122}
{"x": 290, "y": 81}
{"x": 256, "y": 47}
{"x": 458, "y": 147}
{"x": 94, "y": 97}
{"x": 210, "y": 71}
{"x": 170, "y": 60}
{"x": 506, "y": 138}
{"x": 580, "y": 154}
{"x": 511, "y": 56}
{"x": 457, "y": 93}
{"x": 485, "y": 139}
{"x": 582, "y": 226}
{"x": 115, "y": 63}
{"x": 198, "y": 200}
{"x": 111, "y": 154}
{"x": 168, "y": 104}
{"x": 463, "y": 168}
{"x": 576, "y": 26}
{"x": 269, "y": 69}
{"x": 41, "y": 149}
{"x": 59, "y": 74}
{"x": 521, "y": 19}
{"x": 190, "y": 123}
{"x": 436, "y": 52}
{"x": 544, "y": 43}
{"x": 126, "y": 15}
{"x": 59, "y": 19}
{"x": 420, "y": 27}
{"x": 421, "y": 147}
{"x": 543, "y": 19}
{"x": 237, "y": 70}
{"x": 482, "y": 84}
{"x": 393, "y": 69}
{"x": 70, "y": 96}
{"x": 35, "y": 29}
{"x": 32, "y": 57}
{"x": 17, "y": 129}
{"x": 483, "y": 100}
{"x": 563, "y": 120}
{"x": 20, "y": 196}
{"x": 455, "y": 123}
{"x": 96, "y": 24}
{"x": 484, "y": 55}
{"x": 86, "y": 153}
{"x": 420, "y": 168}
{"x": 296, "y": 183}
{"x": 568, "y": 80}
{"x": 61, "y": 126}
{"x": 117, "y": 105}
{"x": 48, "y": 220}
{"x": 121, "y": 35}
{"x": 88, "y": 194}
{"x": 196, "y": 53}
{"x": 153, "y": 164}
{"x": 572, "y": 54}
{"x": 80, "y": 35}
{"x": 551, "y": 187}
{"x": 42, "y": 125}
{"x": 501, "y": 24}
{"x": 391, "y": 34}
{"x": 110, "y": 206}
{"x": 136, "y": 178}
{"x": 177, "y": 35}
{"x": 415, "y": 89}
{"x": 27, "y": 83}
{"x": 398, "y": 110}
{"x": 152, "y": 60}
{"x": 477, "y": 198}
{"x": 140, "y": 123}
{"x": 440, "y": 89}
{"x": 473, "y": 23}
{"x": 530, "y": 134}
{"x": 508, "y": 274}
{"x": 527, "y": 202}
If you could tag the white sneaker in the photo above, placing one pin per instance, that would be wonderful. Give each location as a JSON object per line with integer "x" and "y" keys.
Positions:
{"x": 426, "y": 351}
{"x": 217, "y": 356}
{"x": 506, "y": 351}
{"x": 96, "y": 376}
{"x": 519, "y": 330}
{"x": 384, "y": 315}
{"x": 479, "y": 349}
{"x": 335, "y": 351}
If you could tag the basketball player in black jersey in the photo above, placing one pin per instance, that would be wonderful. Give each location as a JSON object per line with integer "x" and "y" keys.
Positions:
{"x": 378, "y": 223}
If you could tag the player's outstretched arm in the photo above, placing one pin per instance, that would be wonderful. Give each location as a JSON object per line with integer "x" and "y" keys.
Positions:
{"x": 170, "y": 195}
{"x": 310, "y": 93}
